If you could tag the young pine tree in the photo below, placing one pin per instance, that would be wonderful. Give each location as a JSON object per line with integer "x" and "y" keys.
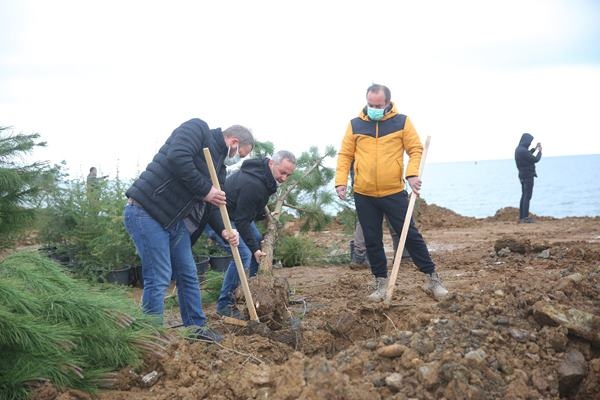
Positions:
{"x": 20, "y": 183}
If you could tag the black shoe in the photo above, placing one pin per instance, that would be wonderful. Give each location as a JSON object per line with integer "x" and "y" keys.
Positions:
{"x": 206, "y": 334}
{"x": 231, "y": 311}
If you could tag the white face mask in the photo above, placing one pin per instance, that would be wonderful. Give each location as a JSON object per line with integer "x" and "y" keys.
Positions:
{"x": 231, "y": 160}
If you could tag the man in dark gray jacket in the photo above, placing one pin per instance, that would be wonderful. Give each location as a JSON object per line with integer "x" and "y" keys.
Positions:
{"x": 248, "y": 191}
{"x": 526, "y": 161}
{"x": 173, "y": 197}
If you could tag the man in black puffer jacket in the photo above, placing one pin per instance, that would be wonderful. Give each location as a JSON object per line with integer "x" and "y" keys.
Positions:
{"x": 525, "y": 161}
{"x": 173, "y": 197}
{"x": 248, "y": 191}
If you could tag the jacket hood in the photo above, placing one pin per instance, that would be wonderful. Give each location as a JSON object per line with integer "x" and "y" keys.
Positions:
{"x": 259, "y": 167}
{"x": 363, "y": 113}
{"x": 526, "y": 140}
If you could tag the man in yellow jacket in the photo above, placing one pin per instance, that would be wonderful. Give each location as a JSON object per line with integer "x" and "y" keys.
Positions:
{"x": 374, "y": 146}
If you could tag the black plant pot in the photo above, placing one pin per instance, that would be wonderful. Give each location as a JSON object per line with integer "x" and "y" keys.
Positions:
{"x": 220, "y": 263}
{"x": 119, "y": 276}
{"x": 136, "y": 277}
{"x": 202, "y": 263}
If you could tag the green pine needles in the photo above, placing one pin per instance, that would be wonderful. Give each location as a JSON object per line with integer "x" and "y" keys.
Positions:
{"x": 56, "y": 329}
{"x": 21, "y": 183}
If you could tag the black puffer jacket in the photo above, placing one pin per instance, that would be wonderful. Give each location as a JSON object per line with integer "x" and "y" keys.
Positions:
{"x": 524, "y": 157}
{"x": 248, "y": 191}
{"x": 178, "y": 175}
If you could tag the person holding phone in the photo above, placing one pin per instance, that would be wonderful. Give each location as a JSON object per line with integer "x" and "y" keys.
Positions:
{"x": 526, "y": 160}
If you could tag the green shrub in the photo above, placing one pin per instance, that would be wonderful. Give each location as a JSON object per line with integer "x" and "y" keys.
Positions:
{"x": 347, "y": 217}
{"x": 296, "y": 250}
{"x": 21, "y": 184}
{"x": 211, "y": 287}
{"x": 88, "y": 226}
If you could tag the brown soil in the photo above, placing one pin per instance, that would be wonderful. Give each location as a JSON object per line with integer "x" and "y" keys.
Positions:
{"x": 482, "y": 342}
{"x": 430, "y": 216}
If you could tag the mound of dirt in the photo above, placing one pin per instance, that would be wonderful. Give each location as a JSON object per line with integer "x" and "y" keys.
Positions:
{"x": 506, "y": 214}
{"x": 519, "y": 245}
{"x": 430, "y": 216}
{"x": 511, "y": 214}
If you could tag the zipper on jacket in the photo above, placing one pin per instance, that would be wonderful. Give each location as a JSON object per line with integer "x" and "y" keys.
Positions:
{"x": 178, "y": 216}
{"x": 162, "y": 187}
{"x": 376, "y": 156}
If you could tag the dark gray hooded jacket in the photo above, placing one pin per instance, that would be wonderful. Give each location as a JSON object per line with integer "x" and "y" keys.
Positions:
{"x": 524, "y": 157}
{"x": 248, "y": 191}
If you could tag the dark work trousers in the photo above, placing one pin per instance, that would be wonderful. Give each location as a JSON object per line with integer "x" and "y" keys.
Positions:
{"x": 370, "y": 211}
{"x": 526, "y": 192}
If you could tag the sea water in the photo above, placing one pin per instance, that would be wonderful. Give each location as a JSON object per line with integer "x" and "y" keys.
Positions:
{"x": 565, "y": 186}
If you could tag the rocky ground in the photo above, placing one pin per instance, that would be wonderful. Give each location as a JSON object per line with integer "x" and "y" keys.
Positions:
{"x": 522, "y": 322}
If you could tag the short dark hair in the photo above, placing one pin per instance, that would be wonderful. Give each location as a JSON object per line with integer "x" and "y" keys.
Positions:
{"x": 377, "y": 88}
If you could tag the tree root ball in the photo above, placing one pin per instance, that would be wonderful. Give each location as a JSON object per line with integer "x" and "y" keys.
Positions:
{"x": 271, "y": 296}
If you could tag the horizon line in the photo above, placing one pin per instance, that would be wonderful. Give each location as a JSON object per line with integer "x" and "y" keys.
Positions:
{"x": 508, "y": 159}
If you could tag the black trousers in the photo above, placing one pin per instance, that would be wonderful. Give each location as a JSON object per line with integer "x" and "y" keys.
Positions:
{"x": 526, "y": 192}
{"x": 370, "y": 211}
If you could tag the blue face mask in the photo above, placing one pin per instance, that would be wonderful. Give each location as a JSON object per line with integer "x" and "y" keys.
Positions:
{"x": 231, "y": 160}
{"x": 375, "y": 113}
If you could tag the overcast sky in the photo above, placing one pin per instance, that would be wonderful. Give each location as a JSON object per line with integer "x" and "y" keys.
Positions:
{"x": 105, "y": 82}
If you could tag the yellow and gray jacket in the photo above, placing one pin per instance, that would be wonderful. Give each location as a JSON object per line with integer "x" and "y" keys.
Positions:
{"x": 375, "y": 151}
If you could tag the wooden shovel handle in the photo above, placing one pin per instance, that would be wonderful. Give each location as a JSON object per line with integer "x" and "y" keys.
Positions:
{"x": 234, "y": 249}
{"x": 409, "y": 211}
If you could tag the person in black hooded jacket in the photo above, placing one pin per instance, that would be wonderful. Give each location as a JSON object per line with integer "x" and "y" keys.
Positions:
{"x": 248, "y": 191}
{"x": 526, "y": 161}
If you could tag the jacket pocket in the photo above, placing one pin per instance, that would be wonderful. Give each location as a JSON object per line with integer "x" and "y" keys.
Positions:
{"x": 357, "y": 177}
{"x": 399, "y": 170}
{"x": 162, "y": 187}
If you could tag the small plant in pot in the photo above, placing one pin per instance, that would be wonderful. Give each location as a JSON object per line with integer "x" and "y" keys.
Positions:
{"x": 90, "y": 225}
{"x": 202, "y": 264}
{"x": 111, "y": 246}
{"x": 114, "y": 257}
{"x": 200, "y": 251}
{"x": 219, "y": 260}
{"x": 207, "y": 244}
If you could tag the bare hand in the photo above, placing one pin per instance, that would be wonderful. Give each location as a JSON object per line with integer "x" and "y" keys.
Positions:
{"x": 259, "y": 254}
{"x": 341, "y": 192}
{"x": 233, "y": 239}
{"x": 415, "y": 184}
{"x": 215, "y": 197}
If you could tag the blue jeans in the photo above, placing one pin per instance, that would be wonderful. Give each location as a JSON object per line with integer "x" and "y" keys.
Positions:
{"x": 164, "y": 253}
{"x": 231, "y": 279}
